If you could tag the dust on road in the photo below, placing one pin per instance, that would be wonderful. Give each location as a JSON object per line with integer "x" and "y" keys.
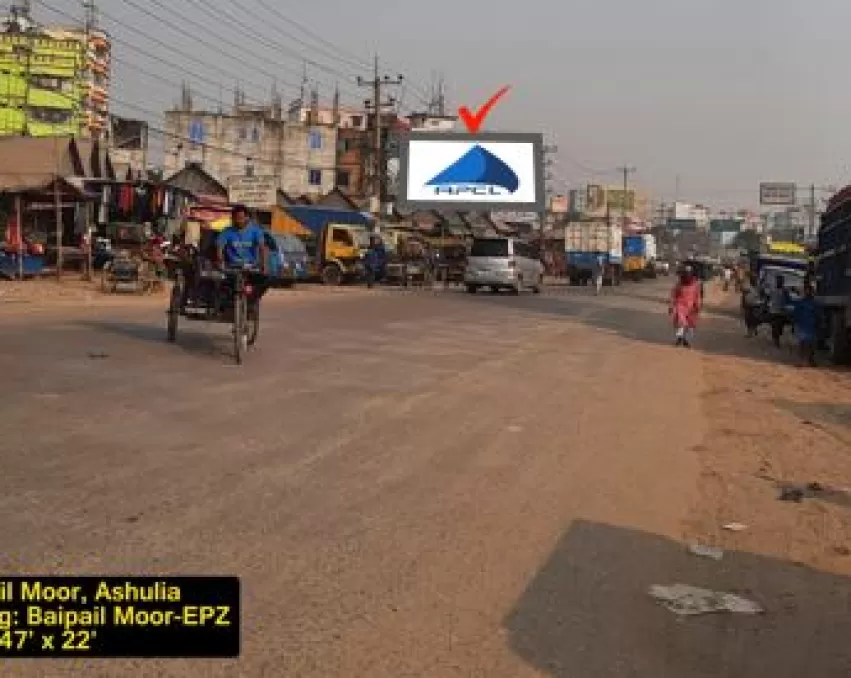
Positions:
{"x": 417, "y": 484}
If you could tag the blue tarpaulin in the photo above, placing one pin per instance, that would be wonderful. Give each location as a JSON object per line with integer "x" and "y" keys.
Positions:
{"x": 33, "y": 265}
{"x": 316, "y": 218}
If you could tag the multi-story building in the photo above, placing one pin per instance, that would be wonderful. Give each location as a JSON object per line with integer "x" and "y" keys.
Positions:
{"x": 300, "y": 158}
{"x": 53, "y": 81}
{"x": 428, "y": 122}
{"x": 340, "y": 116}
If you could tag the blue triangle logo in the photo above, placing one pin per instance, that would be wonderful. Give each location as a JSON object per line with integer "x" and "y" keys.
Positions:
{"x": 478, "y": 166}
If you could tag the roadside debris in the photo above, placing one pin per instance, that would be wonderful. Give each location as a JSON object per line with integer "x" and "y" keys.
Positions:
{"x": 685, "y": 600}
{"x": 98, "y": 355}
{"x": 735, "y": 527}
{"x": 797, "y": 493}
{"x": 706, "y": 551}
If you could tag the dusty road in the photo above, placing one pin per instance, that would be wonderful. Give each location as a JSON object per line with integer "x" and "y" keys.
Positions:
{"x": 433, "y": 484}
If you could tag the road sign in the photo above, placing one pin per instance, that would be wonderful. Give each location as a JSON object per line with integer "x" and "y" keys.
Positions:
{"x": 254, "y": 192}
{"x": 779, "y": 194}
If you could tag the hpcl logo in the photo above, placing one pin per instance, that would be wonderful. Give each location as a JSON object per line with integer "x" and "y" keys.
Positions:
{"x": 479, "y": 172}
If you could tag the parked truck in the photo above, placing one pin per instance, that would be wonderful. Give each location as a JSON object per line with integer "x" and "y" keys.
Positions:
{"x": 832, "y": 268}
{"x": 584, "y": 242}
{"x": 336, "y": 240}
{"x": 639, "y": 256}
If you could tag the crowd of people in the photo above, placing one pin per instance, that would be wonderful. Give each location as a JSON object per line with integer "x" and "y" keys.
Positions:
{"x": 768, "y": 301}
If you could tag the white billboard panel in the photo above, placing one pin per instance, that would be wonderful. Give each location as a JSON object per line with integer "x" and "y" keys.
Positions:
{"x": 778, "y": 193}
{"x": 489, "y": 171}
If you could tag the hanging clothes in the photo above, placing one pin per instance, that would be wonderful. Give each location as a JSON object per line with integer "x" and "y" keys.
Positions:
{"x": 103, "y": 208}
{"x": 167, "y": 200}
{"x": 125, "y": 201}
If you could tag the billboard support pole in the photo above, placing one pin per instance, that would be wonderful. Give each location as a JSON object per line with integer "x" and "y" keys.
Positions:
{"x": 812, "y": 210}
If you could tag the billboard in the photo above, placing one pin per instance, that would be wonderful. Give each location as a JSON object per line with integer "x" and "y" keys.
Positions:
{"x": 253, "y": 192}
{"x": 777, "y": 193}
{"x": 620, "y": 200}
{"x": 478, "y": 172}
{"x": 595, "y": 200}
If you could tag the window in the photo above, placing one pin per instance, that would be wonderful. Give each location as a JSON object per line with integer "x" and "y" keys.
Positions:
{"x": 314, "y": 139}
{"x": 342, "y": 237}
{"x": 243, "y": 133}
{"x": 255, "y": 135}
{"x": 51, "y": 115}
{"x": 343, "y": 178}
{"x": 314, "y": 177}
{"x": 357, "y": 121}
{"x": 490, "y": 247}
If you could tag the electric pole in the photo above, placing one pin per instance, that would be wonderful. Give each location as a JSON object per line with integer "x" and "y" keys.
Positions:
{"x": 549, "y": 151}
{"x": 377, "y": 104}
{"x": 627, "y": 170}
{"x": 812, "y": 232}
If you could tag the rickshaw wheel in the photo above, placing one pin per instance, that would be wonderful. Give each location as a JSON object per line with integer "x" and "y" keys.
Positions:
{"x": 240, "y": 328}
{"x": 254, "y": 324}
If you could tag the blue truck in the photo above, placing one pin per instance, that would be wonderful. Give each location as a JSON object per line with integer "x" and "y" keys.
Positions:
{"x": 584, "y": 242}
{"x": 639, "y": 256}
{"x": 832, "y": 269}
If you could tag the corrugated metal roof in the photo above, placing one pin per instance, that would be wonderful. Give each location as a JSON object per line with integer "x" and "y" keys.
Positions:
{"x": 32, "y": 164}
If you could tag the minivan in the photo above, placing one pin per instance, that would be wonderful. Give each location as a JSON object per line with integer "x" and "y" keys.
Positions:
{"x": 503, "y": 264}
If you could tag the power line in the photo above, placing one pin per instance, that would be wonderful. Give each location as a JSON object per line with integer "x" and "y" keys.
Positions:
{"x": 279, "y": 46}
{"x": 167, "y": 62}
{"x": 361, "y": 63}
{"x": 247, "y": 30}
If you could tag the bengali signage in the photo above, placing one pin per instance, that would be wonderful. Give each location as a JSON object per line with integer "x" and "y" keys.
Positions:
{"x": 253, "y": 192}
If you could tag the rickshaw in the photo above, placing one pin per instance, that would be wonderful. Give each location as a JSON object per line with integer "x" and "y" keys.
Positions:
{"x": 204, "y": 291}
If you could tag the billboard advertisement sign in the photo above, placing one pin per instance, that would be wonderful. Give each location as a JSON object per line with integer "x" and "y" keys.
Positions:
{"x": 484, "y": 172}
{"x": 620, "y": 200}
{"x": 780, "y": 194}
{"x": 253, "y": 192}
{"x": 595, "y": 200}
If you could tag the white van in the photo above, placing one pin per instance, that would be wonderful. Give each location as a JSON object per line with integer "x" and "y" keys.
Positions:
{"x": 503, "y": 264}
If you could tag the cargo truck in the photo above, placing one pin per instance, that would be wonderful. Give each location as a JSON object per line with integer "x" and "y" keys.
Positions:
{"x": 584, "y": 242}
{"x": 336, "y": 240}
{"x": 639, "y": 256}
{"x": 832, "y": 268}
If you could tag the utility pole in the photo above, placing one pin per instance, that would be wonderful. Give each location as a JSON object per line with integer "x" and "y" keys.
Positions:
{"x": 627, "y": 170}
{"x": 549, "y": 151}
{"x": 812, "y": 232}
{"x": 377, "y": 105}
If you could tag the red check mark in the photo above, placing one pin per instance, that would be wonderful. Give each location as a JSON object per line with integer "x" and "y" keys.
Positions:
{"x": 473, "y": 121}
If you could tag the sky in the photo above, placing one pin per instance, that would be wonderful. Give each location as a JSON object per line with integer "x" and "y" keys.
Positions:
{"x": 705, "y": 98}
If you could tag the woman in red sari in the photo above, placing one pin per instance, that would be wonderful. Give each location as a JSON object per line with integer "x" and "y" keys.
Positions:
{"x": 685, "y": 306}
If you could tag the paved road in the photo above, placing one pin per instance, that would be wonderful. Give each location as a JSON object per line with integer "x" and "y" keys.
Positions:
{"x": 409, "y": 484}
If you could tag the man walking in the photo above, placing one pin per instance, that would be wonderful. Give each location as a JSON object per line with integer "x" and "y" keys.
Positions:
{"x": 597, "y": 272}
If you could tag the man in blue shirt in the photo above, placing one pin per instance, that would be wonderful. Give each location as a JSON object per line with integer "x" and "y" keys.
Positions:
{"x": 243, "y": 242}
{"x": 804, "y": 316}
{"x": 376, "y": 260}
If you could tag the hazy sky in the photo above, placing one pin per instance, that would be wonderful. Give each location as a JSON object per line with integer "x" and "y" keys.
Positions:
{"x": 723, "y": 93}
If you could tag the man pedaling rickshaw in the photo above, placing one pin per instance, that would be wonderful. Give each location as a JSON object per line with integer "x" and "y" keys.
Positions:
{"x": 242, "y": 245}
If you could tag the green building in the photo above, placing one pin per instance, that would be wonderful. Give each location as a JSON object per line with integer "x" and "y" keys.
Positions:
{"x": 53, "y": 82}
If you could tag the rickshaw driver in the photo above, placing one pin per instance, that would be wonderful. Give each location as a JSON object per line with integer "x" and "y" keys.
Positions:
{"x": 242, "y": 243}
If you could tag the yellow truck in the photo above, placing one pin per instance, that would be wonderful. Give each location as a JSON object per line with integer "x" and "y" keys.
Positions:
{"x": 336, "y": 240}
